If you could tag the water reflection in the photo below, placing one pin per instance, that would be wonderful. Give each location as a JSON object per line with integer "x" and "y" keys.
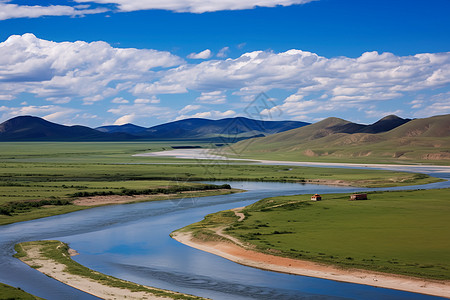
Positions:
{"x": 132, "y": 242}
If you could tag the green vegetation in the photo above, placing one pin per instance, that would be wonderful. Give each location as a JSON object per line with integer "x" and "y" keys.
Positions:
{"x": 11, "y": 293}
{"x": 42, "y": 179}
{"x": 418, "y": 141}
{"x": 403, "y": 232}
{"x": 58, "y": 252}
{"x": 39, "y": 204}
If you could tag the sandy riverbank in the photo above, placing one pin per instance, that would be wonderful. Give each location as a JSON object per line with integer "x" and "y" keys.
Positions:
{"x": 264, "y": 261}
{"x": 98, "y": 288}
{"x": 123, "y": 199}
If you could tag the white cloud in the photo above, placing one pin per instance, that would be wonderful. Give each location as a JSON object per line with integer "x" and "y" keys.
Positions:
{"x": 205, "y": 54}
{"x": 377, "y": 114}
{"x": 140, "y": 112}
{"x": 214, "y": 114}
{"x": 119, "y": 100}
{"x": 6, "y": 97}
{"x": 332, "y": 83}
{"x": 11, "y": 11}
{"x": 223, "y": 52}
{"x": 59, "y": 100}
{"x": 195, "y": 6}
{"x": 96, "y": 72}
{"x": 125, "y": 119}
{"x": 91, "y": 71}
{"x": 153, "y": 100}
{"x": 216, "y": 97}
{"x": 427, "y": 106}
{"x": 189, "y": 108}
{"x": 158, "y": 88}
{"x": 52, "y": 113}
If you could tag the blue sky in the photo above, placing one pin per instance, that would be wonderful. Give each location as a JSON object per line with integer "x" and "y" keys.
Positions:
{"x": 149, "y": 62}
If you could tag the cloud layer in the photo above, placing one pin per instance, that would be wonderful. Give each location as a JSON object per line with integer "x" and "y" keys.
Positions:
{"x": 91, "y": 71}
{"x": 10, "y": 11}
{"x": 195, "y": 6}
{"x": 131, "y": 82}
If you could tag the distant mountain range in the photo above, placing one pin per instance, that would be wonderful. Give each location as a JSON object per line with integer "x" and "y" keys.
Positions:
{"x": 29, "y": 128}
{"x": 333, "y": 138}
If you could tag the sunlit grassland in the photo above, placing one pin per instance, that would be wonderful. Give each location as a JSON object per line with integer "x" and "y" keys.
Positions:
{"x": 58, "y": 172}
{"x": 403, "y": 232}
{"x": 403, "y": 145}
{"x": 9, "y": 292}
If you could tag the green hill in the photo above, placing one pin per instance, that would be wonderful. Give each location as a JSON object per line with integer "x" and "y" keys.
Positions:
{"x": 419, "y": 140}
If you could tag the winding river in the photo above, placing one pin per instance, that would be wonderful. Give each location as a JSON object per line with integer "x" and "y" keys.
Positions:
{"x": 132, "y": 242}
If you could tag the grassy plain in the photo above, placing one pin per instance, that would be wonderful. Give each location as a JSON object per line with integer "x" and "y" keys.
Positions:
{"x": 403, "y": 232}
{"x": 60, "y": 172}
{"x": 41, "y": 171}
{"x": 418, "y": 141}
{"x": 11, "y": 293}
{"x": 59, "y": 252}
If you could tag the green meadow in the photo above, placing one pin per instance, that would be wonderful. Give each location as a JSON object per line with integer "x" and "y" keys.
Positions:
{"x": 41, "y": 179}
{"x": 9, "y": 292}
{"x": 402, "y": 232}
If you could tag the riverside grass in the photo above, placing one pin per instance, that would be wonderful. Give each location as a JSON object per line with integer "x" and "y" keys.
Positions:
{"x": 59, "y": 252}
{"x": 45, "y": 171}
{"x": 404, "y": 232}
{"x": 8, "y": 292}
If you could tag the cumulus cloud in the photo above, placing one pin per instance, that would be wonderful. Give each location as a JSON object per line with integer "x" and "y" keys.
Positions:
{"x": 205, "y": 54}
{"x": 141, "y": 112}
{"x": 216, "y": 97}
{"x": 96, "y": 72}
{"x": 53, "y": 113}
{"x": 153, "y": 100}
{"x": 223, "y": 52}
{"x": 195, "y": 6}
{"x": 91, "y": 71}
{"x": 426, "y": 105}
{"x": 213, "y": 114}
{"x": 119, "y": 100}
{"x": 188, "y": 108}
{"x": 11, "y": 11}
{"x": 6, "y": 97}
{"x": 331, "y": 83}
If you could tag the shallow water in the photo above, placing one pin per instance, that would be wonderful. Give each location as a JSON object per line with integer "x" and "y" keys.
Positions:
{"x": 132, "y": 242}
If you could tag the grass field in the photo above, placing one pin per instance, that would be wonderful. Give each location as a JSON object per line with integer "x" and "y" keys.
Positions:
{"x": 46, "y": 171}
{"x": 53, "y": 174}
{"x": 58, "y": 252}
{"x": 11, "y": 293}
{"x": 403, "y": 232}
{"x": 424, "y": 141}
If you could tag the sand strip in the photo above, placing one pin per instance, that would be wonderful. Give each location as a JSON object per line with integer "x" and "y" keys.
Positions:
{"x": 56, "y": 270}
{"x": 264, "y": 261}
{"x": 123, "y": 199}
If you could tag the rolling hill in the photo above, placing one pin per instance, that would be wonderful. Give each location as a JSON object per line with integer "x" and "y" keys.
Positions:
{"x": 333, "y": 139}
{"x": 29, "y": 128}
{"x": 126, "y": 128}
{"x": 229, "y": 128}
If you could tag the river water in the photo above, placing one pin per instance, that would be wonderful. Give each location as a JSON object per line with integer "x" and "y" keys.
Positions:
{"x": 132, "y": 242}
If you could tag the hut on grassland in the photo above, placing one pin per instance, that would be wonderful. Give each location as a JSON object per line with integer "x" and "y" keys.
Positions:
{"x": 316, "y": 197}
{"x": 358, "y": 197}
